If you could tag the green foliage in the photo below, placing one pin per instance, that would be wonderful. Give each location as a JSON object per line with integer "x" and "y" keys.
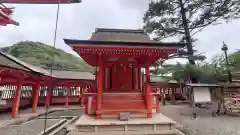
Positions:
{"x": 203, "y": 72}
{"x": 41, "y": 55}
{"x": 234, "y": 59}
{"x": 164, "y": 19}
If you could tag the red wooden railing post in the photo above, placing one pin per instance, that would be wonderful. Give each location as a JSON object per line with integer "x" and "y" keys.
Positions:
{"x": 17, "y": 98}
{"x": 67, "y": 96}
{"x": 35, "y": 97}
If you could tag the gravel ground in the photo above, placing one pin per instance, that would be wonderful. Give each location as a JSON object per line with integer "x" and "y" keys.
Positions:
{"x": 204, "y": 124}
{"x": 31, "y": 128}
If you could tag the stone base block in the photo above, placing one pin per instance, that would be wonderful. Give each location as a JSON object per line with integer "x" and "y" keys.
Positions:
{"x": 159, "y": 124}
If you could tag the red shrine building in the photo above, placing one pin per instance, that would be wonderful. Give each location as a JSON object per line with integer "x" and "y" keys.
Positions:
{"x": 120, "y": 57}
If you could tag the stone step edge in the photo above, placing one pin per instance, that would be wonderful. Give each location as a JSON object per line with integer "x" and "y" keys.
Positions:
{"x": 141, "y": 132}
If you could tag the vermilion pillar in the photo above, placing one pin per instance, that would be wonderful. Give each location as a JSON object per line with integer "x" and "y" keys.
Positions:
{"x": 82, "y": 96}
{"x": 99, "y": 86}
{"x": 157, "y": 103}
{"x": 36, "y": 88}
{"x": 67, "y": 95}
{"x": 17, "y": 99}
{"x": 49, "y": 93}
{"x": 148, "y": 92}
{"x": 147, "y": 70}
{"x": 139, "y": 78}
{"x": 135, "y": 81}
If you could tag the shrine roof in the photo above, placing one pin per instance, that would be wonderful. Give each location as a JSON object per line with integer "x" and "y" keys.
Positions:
{"x": 123, "y": 35}
{"x": 74, "y": 42}
{"x": 230, "y": 85}
{"x": 77, "y": 75}
{"x": 120, "y": 37}
{"x": 12, "y": 62}
{"x": 202, "y": 85}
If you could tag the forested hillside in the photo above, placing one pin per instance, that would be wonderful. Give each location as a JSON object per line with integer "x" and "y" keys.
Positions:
{"x": 40, "y": 54}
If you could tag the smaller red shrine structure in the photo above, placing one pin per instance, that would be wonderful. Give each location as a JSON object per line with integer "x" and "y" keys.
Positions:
{"x": 6, "y": 13}
{"x": 58, "y": 88}
{"x": 120, "y": 55}
{"x": 5, "y": 16}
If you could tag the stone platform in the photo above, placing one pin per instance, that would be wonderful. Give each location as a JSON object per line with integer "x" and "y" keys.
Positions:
{"x": 159, "y": 124}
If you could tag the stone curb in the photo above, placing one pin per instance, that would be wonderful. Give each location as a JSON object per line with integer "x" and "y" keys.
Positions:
{"x": 50, "y": 129}
{"x": 19, "y": 121}
{"x": 57, "y": 129}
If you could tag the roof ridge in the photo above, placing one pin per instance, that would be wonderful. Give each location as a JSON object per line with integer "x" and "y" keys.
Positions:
{"x": 140, "y": 31}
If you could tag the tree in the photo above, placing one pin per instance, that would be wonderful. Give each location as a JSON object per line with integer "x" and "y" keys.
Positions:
{"x": 235, "y": 60}
{"x": 164, "y": 19}
{"x": 184, "y": 18}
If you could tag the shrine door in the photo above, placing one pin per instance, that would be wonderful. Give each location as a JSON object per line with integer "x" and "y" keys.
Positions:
{"x": 122, "y": 78}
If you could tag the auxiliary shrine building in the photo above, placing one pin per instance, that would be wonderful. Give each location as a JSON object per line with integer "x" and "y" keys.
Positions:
{"x": 120, "y": 56}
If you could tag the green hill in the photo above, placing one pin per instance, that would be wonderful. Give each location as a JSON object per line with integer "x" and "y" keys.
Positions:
{"x": 40, "y": 54}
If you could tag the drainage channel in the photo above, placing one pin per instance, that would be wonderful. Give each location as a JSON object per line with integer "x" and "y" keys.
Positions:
{"x": 57, "y": 124}
{"x": 59, "y": 128}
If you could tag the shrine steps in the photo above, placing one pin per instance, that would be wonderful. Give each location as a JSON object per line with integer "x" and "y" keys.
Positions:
{"x": 158, "y": 125}
{"x": 115, "y": 103}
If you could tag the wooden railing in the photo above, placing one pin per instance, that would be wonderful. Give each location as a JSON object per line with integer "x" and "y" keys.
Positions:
{"x": 10, "y": 91}
{"x": 84, "y": 100}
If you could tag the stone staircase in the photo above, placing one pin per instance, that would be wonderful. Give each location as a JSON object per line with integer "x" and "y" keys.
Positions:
{"x": 115, "y": 103}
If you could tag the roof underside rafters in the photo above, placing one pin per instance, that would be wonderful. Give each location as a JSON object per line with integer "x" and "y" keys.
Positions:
{"x": 124, "y": 50}
{"x": 142, "y": 55}
{"x": 113, "y": 43}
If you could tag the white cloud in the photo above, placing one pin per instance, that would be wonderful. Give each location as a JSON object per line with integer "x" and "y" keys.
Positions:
{"x": 78, "y": 21}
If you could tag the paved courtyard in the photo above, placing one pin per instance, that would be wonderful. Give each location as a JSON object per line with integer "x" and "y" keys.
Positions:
{"x": 9, "y": 126}
{"x": 34, "y": 127}
{"x": 205, "y": 124}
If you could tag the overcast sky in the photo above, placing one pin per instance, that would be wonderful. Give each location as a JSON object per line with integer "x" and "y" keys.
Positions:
{"x": 78, "y": 21}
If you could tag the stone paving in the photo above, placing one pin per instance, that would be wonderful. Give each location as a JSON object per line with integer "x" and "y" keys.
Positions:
{"x": 34, "y": 127}
{"x": 72, "y": 112}
{"x": 26, "y": 114}
{"x": 204, "y": 124}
